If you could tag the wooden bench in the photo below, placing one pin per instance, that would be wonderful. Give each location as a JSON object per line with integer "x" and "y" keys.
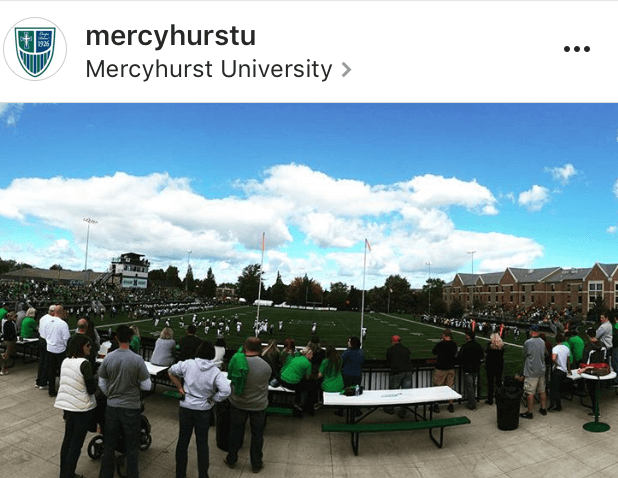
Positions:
{"x": 357, "y": 428}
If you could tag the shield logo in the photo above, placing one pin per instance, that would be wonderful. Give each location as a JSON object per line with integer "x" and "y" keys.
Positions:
{"x": 35, "y": 48}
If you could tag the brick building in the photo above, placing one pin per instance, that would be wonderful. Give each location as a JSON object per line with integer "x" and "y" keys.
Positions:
{"x": 547, "y": 287}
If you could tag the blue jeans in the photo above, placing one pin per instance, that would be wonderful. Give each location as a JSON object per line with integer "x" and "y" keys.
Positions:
{"x": 188, "y": 420}
{"x": 400, "y": 380}
{"x": 238, "y": 420}
{"x": 127, "y": 420}
{"x": 395, "y": 382}
{"x": 75, "y": 430}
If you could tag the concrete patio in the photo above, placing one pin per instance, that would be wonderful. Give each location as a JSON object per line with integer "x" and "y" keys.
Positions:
{"x": 31, "y": 432}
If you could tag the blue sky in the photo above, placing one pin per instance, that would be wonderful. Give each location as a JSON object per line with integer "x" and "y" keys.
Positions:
{"x": 522, "y": 185}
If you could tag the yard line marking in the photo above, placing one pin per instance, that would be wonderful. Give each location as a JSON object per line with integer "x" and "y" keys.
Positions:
{"x": 442, "y": 328}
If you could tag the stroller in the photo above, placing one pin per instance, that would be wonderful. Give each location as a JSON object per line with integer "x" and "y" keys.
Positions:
{"x": 95, "y": 447}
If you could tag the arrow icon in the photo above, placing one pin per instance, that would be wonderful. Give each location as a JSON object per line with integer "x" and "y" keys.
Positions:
{"x": 347, "y": 69}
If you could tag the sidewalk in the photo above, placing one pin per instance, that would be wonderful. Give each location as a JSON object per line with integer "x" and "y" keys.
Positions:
{"x": 31, "y": 432}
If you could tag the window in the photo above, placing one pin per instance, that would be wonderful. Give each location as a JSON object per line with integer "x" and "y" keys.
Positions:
{"x": 553, "y": 288}
{"x": 552, "y": 299}
{"x": 532, "y": 288}
{"x": 595, "y": 289}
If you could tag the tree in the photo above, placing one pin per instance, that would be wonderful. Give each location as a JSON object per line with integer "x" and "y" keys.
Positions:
{"x": 278, "y": 290}
{"x": 56, "y": 267}
{"x": 399, "y": 289}
{"x": 171, "y": 276}
{"x": 189, "y": 281}
{"x": 156, "y": 277}
{"x": 303, "y": 291}
{"x": 337, "y": 295}
{"x": 354, "y": 299}
{"x": 249, "y": 283}
{"x": 433, "y": 287}
{"x": 209, "y": 285}
{"x": 598, "y": 308}
{"x": 456, "y": 309}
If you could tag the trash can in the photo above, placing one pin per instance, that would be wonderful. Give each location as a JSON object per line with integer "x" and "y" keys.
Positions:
{"x": 508, "y": 399}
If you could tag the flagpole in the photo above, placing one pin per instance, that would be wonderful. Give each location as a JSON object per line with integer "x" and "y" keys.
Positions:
{"x": 363, "y": 296}
{"x": 260, "y": 286}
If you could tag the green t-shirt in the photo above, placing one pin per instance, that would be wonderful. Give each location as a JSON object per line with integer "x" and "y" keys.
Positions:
{"x": 136, "y": 344}
{"x": 333, "y": 380}
{"x": 295, "y": 370}
{"x": 286, "y": 358}
{"x": 28, "y": 328}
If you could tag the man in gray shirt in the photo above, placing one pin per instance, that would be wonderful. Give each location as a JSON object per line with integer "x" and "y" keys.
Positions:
{"x": 534, "y": 371}
{"x": 604, "y": 333}
{"x": 251, "y": 404}
{"x": 121, "y": 376}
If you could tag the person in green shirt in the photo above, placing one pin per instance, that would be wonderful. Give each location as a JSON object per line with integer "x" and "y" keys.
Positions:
{"x": 576, "y": 344}
{"x": 330, "y": 369}
{"x": 136, "y": 341}
{"x": 28, "y": 325}
{"x": 295, "y": 375}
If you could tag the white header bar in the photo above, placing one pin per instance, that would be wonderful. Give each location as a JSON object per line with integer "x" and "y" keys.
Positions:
{"x": 395, "y": 51}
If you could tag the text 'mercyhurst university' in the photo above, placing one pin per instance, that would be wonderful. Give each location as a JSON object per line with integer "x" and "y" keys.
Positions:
{"x": 229, "y": 69}
{"x": 233, "y": 36}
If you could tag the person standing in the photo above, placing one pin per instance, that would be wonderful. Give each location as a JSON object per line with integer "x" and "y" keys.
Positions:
{"x": 560, "y": 358}
{"x": 470, "y": 357}
{"x": 57, "y": 336}
{"x": 10, "y": 338}
{"x": 398, "y": 359}
{"x": 121, "y": 376}
{"x": 605, "y": 334}
{"x": 204, "y": 384}
{"x": 189, "y": 344}
{"x": 248, "y": 400}
{"x": 76, "y": 398}
{"x": 82, "y": 328}
{"x": 494, "y": 365}
{"x": 41, "y": 378}
{"x": 534, "y": 371}
{"x": 444, "y": 373}
{"x": 352, "y": 361}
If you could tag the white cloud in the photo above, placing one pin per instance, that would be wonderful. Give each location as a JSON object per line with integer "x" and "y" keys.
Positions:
{"x": 535, "y": 198}
{"x": 10, "y": 113}
{"x": 314, "y": 224}
{"x": 563, "y": 174}
{"x": 616, "y": 188}
{"x": 612, "y": 229}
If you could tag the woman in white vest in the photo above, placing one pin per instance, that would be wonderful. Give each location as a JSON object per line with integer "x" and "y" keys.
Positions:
{"x": 76, "y": 398}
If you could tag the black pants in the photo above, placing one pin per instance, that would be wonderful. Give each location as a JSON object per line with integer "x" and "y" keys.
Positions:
{"x": 53, "y": 368}
{"x": 555, "y": 391}
{"x": 494, "y": 381}
{"x": 41, "y": 377}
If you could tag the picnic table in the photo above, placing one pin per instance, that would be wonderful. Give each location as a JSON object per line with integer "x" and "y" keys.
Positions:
{"x": 372, "y": 400}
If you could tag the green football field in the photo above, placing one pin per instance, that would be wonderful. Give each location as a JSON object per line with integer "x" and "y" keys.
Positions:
{"x": 332, "y": 327}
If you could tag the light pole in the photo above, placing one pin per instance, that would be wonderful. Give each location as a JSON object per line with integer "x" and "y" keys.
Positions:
{"x": 428, "y": 264}
{"x": 188, "y": 268}
{"x": 472, "y": 291}
{"x": 388, "y": 310}
{"x": 88, "y": 221}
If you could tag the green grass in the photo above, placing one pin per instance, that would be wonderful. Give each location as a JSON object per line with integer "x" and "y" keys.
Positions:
{"x": 333, "y": 327}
